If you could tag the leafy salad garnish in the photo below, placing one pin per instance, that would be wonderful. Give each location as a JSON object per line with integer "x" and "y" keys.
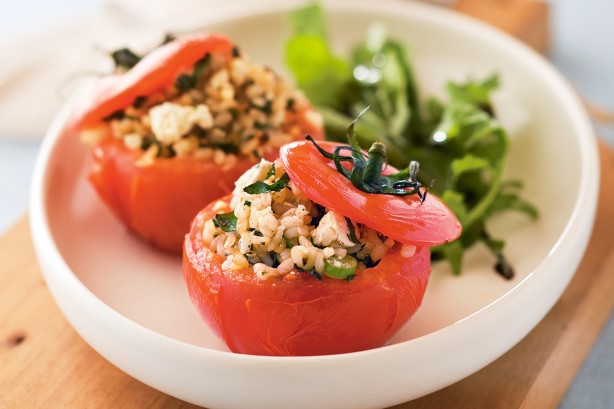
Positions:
{"x": 459, "y": 143}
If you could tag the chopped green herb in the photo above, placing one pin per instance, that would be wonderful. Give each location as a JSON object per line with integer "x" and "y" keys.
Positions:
{"x": 184, "y": 83}
{"x": 200, "y": 66}
{"x": 368, "y": 261}
{"x": 290, "y": 104}
{"x": 247, "y": 203}
{"x": 124, "y": 58}
{"x": 271, "y": 172}
{"x": 149, "y": 140}
{"x": 226, "y": 221}
{"x": 166, "y": 151}
{"x": 261, "y": 187}
{"x": 261, "y": 127}
{"x": 352, "y": 231}
{"x": 257, "y": 233}
{"x": 198, "y": 131}
{"x": 168, "y": 37}
{"x": 266, "y": 108}
{"x": 315, "y": 274}
{"x": 235, "y": 52}
{"x": 275, "y": 257}
{"x": 227, "y": 147}
{"x": 289, "y": 243}
{"x": 117, "y": 115}
{"x": 139, "y": 101}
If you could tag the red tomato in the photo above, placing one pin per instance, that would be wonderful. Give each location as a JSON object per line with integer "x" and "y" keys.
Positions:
{"x": 297, "y": 314}
{"x": 159, "y": 201}
{"x": 156, "y": 71}
{"x": 405, "y": 219}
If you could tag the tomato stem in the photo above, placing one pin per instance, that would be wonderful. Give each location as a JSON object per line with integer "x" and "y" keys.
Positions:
{"x": 375, "y": 163}
{"x": 367, "y": 176}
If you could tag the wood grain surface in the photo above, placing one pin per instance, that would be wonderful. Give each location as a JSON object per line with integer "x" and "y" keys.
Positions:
{"x": 527, "y": 20}
{"x": 45, "y": 364}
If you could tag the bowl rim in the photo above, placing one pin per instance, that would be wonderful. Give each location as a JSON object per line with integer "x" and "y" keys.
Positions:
{"x": 582, "y": 214}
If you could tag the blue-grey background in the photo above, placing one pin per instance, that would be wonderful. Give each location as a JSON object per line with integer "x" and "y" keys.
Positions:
{"x": 582, "y": 48}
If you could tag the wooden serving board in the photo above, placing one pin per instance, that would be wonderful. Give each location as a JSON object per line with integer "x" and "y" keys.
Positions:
{"x": 45, "y": 364}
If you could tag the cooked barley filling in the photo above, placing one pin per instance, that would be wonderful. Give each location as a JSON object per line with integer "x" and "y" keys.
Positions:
{"x": 270, "y": 225}
{"x": 223, "y": 109}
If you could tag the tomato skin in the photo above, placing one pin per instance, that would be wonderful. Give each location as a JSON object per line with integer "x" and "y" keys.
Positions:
{"x": 159, "y": 201}
{"x": 156, "y": 71}
{"x": 405, "y": 219}
{"x": 298, "y": 314}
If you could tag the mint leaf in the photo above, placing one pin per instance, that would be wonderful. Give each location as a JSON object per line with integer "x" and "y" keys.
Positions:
{"x": 226, "y": 221}
{"x": 261, "y": 187}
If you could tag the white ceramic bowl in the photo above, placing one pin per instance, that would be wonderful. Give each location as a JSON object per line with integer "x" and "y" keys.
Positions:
{"x": 129, "y": 302}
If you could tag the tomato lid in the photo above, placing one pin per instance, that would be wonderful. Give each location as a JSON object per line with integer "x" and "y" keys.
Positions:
{"x": 154, "y": 72}
{"x": 407, "y": 219}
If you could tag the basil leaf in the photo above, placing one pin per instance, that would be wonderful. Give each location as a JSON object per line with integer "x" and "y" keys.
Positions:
{"x": 261, "y": 187}
{"x": 226, "y": 221}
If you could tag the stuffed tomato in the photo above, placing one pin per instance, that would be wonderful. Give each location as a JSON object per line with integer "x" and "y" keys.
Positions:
{"x": 172, "y": 131}
{"x": 315, "y": 253}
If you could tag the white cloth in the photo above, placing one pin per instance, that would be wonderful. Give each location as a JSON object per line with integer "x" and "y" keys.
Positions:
{"x": 40, "y": 70}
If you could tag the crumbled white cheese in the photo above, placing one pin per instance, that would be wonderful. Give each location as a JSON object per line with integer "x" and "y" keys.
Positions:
{"x": 254, "y": 174}
{"x": 332, "y": 227}
{"x": 169, "y": 122}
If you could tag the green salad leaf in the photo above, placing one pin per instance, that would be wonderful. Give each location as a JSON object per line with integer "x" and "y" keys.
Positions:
{"x": 459, "y": 142}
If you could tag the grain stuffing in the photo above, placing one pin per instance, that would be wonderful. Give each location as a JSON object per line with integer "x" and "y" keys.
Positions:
{"x": 225, "y": 108}
{"x": 270, "y": 225}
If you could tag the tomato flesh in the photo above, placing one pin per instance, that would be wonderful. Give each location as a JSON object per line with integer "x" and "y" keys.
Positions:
{"x": 405, "y": 219}
{"x": 298, "y": 314}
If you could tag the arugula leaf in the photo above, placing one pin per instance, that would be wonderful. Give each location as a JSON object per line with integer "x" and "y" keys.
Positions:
{"x": 458, "y": 141}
